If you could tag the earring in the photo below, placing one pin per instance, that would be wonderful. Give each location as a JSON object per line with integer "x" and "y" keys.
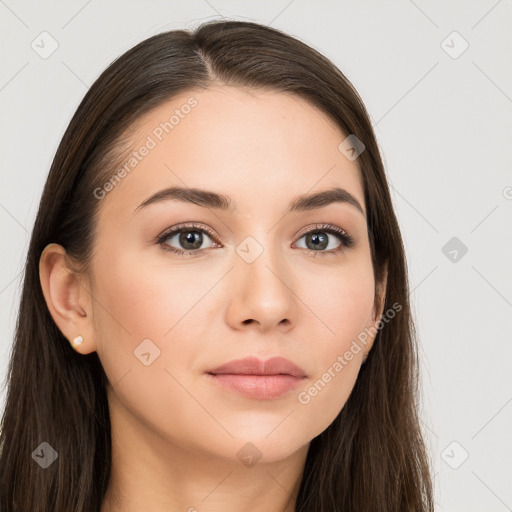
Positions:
{"x": 78, "y": 340}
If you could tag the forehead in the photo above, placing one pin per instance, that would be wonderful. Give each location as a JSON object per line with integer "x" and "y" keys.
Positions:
{"x": 255, "y": 146}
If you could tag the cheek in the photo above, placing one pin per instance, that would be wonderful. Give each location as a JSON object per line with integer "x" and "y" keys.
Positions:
{"x": 145, "y": 325}
{"x": 138, "y": 300}
{"x": 341, "y": 300}
{"x": 148, "y": 299}
{"x": 344, "y": 307}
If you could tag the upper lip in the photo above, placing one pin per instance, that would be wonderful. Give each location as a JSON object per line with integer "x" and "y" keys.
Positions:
{"x": 255, "y": 366}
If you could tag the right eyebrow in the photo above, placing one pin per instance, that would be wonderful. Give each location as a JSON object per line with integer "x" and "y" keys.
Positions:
{"x": 204, "y": 198}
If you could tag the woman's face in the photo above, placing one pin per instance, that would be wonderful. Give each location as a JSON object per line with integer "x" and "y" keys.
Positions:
{"x": 255, "y": 282}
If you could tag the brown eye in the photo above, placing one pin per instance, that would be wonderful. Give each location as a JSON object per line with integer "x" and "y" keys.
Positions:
{"x": 188, "y": 239}
{"x": 185, "y": 239}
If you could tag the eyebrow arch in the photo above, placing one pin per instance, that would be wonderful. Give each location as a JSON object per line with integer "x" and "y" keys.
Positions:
{"x": 208, "y": 199}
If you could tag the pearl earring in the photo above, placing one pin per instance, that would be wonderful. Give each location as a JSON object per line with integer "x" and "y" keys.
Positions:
{"x": 78, "y": 340}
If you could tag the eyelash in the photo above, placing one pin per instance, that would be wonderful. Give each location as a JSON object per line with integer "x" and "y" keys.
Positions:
{"x": 346, "y": 240}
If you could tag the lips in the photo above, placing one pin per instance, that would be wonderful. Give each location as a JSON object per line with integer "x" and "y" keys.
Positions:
{"x": 256, "y": 379}
{"x": 255, "y": 366}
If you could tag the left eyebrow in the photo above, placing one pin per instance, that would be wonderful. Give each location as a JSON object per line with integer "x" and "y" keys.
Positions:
{"x": 325, "y": 198}
{"x": 209, "y": 199}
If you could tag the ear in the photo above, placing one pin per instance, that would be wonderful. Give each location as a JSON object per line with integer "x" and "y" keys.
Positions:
{"x": 377, "y": 311}
{"x": 67, "y": 297}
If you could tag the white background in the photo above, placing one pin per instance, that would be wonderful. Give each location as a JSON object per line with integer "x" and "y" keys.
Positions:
{"x": 444, "y": 126}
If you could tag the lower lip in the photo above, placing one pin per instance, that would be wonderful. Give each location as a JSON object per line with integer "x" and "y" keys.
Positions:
{"x": 262, "y": 387}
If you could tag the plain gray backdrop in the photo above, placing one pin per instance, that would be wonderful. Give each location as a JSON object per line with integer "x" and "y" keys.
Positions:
{"x": 436, "y": 78}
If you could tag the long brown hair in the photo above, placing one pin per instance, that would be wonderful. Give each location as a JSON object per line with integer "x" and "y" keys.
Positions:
{"x": 372, "y": 457}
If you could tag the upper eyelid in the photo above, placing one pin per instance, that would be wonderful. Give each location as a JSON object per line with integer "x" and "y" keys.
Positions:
{"x": 322, "y": 226}
{"x": 184, "y": 227}
{"x": 201, "y": 227}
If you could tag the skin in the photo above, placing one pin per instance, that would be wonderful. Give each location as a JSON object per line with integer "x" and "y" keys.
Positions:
{"x": 175, "y": 434}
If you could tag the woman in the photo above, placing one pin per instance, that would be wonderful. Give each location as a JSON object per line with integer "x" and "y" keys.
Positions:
{"x": 215, "y": 308}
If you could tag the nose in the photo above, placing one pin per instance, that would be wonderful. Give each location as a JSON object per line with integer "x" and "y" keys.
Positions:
{"x": 261, "y": 294}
